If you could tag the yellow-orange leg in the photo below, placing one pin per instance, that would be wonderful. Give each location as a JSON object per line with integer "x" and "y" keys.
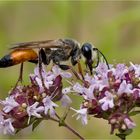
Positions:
{"x": 80, "y": 70}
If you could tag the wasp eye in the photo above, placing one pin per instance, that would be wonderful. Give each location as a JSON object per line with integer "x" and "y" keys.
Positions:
{"x": 87, "y": 51}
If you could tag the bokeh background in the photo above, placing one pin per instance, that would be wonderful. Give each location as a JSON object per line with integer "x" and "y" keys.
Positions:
{"x": 112, "y": 26}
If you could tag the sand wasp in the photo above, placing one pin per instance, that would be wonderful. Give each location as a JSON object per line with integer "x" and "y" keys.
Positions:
{"x": 51, "y": 50}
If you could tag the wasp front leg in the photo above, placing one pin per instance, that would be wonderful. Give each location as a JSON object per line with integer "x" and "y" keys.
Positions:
{"x": 75, "y": 59}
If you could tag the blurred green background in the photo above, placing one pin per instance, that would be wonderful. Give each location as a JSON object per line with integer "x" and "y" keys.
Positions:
{"x": 113, "y": 27}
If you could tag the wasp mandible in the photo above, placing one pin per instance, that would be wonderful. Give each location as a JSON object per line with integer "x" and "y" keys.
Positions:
{"x": 51, "y": 50}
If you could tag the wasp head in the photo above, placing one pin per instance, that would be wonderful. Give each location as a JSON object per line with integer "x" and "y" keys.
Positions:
{"x": 87, "y": 53}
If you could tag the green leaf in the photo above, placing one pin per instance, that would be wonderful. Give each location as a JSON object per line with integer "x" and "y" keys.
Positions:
{"x": 123, "y": 133}
{"x": 122, "y": 136}
{"x": 128, "y": 132}
{"x": 36, "y": 123}
{"x": 134, "y": 113}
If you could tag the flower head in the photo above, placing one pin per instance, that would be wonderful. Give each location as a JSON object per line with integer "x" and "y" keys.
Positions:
{"x": 82, "y": 113}
{"x": 49, "y": 106}
{"x": 102, "y": 69}
{"x": 107, "y": 102}
{"x": 57, "y": 71}
{"x": 125, "y": 88}
{"x": 129, "y": 123}
{"x": 33, "y": 110}
{"x": 9, "y": 103}
{"x": 6, "y": 126}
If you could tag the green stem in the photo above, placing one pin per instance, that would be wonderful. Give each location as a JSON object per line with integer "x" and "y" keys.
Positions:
{"x": 67, "y": 126}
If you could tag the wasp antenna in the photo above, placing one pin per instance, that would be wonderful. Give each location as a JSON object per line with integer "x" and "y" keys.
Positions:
{"x": 95, "y": 49}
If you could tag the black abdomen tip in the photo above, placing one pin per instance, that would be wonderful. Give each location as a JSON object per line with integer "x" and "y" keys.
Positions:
{"x": 6, "y": 61}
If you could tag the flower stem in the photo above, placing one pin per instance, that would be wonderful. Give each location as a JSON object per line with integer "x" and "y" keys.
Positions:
{"x": 123, "y": 138}
{"x": 73, "y": 131}
{"x": 67, "y": 126}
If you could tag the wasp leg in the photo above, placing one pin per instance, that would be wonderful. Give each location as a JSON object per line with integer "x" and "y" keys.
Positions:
{"x": 20, "y": 78}
{"x": 67, "y": 67}
{"x": 99, "y": 52}
{"x": 80, "y": 70}
{"x": 40, "y": 68}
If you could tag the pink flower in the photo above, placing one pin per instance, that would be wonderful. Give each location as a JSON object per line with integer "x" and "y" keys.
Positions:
{"x": 6, "y": 126}
{"x": 107, "y": 102}
{"x": 102, "y": 69}
{"x": 82, "y": 113}
{"x": 136, "y": 68}
{"x": 78, "y": 88}
{"x": 66, "y": 100}
{"x": 49, "y": 106}
{"x": 120, "y": 70}
{"x": 125, "y": 88}
{"x": 89, "y": 93}
{"x": 130, "y": 124}
{"x": 57, "y": 71}
{"x": 9, "y": 103}
{"x": 33, "y": 110}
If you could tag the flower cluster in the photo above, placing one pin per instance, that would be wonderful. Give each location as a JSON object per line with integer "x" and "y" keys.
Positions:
{"x": 30, "y": 104}
{"x": 112, "y": 94}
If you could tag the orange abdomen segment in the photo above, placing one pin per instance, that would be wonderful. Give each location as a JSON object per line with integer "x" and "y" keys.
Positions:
{"x": 22, "y": 55}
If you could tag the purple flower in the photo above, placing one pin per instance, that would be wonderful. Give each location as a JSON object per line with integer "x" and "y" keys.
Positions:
{"x": 6, "y": 126}
{"x": 46, "y": 82}
{"x": 107, "y": 102}
{"x": 78, "y": 88}
{"x": 49, "y": 106}
{"x": 125, "y": 88}
{"x": 88, "y": 78}
{"x": 43, "y": 71}
{"x": 33, "y": 110}
{"x": 48, "y": 78}
{"x": 102, "y": 69}
{"x": 66, "y": 100}
{"x": 136, "y": 68}
{"x": 57, "y": 71}
{"x": 9, "y": 103}
{"x": 82, "y": 113}
{"x": 89, "y": 92}
{"x": 66, "y": 90}
{"x": 120, "y": 70}
{"x": 130, "y": 124}
{"x": 99, "y": 83}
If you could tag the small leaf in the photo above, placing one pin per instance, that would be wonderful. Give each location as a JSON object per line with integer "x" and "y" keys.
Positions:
{"x": 123, "y": 133}
{"x": 36, "y": 123}
{"x": 128, "y": 132}
{"x": 122, "y": 136}
{"x": 134, "y": 113}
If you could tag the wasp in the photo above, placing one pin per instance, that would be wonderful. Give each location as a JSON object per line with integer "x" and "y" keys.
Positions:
{"x": 57, "y": 51}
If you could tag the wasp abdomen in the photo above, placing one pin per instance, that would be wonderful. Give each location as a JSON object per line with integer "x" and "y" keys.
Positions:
{"x": 6, "y": 61}
{"x": 18, "y": 56}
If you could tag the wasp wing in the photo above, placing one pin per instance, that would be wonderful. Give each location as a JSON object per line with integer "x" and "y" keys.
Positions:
{"x": 40, "y": 44}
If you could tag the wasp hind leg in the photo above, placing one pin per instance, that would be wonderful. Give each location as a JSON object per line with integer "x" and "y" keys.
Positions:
{"x": 20, "y": 78}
